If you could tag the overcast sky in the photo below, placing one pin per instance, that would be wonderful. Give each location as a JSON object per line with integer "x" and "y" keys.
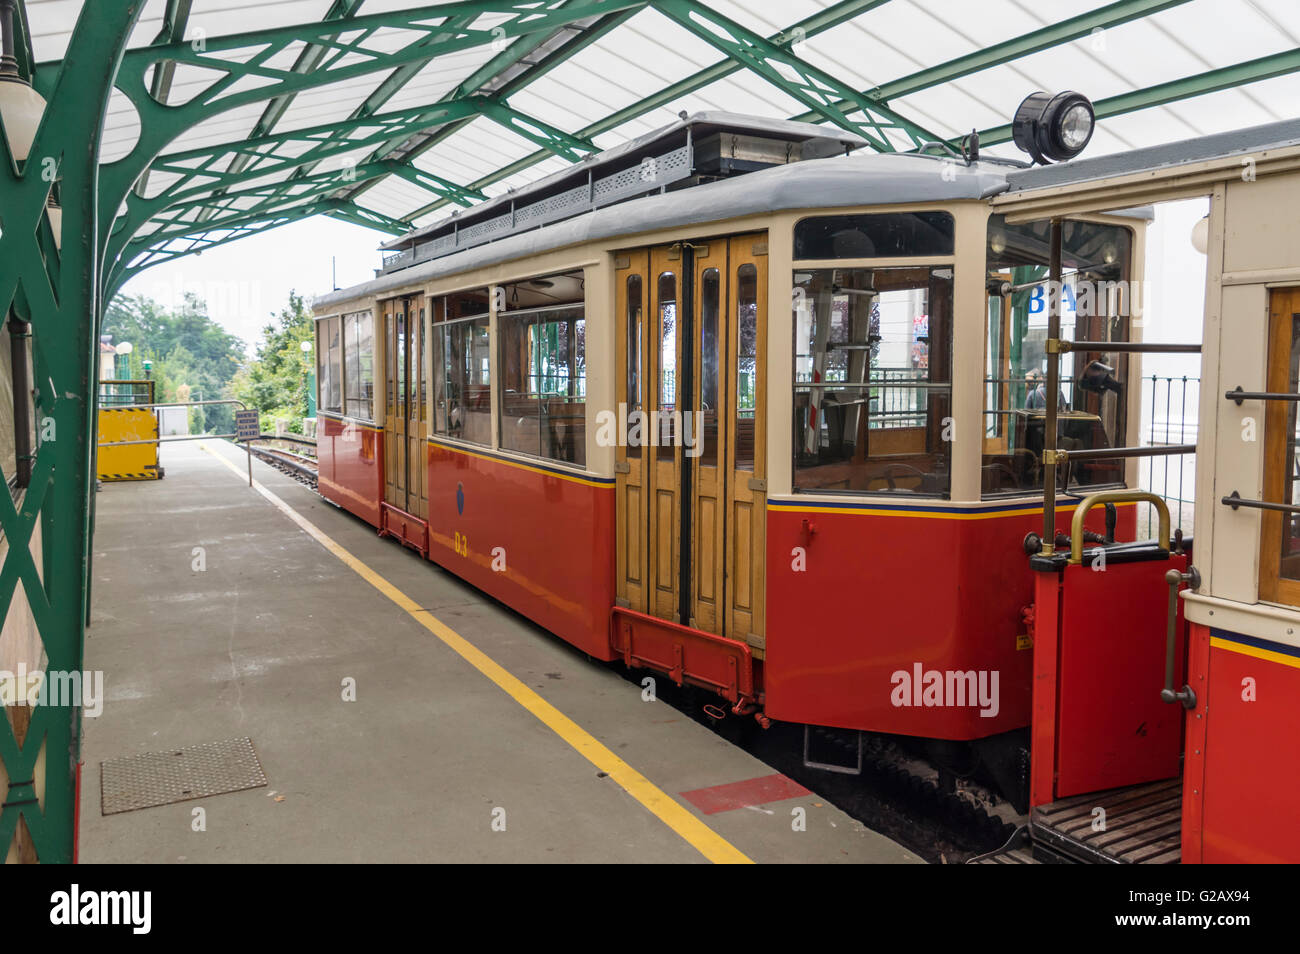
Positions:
{"x": 246, "y": 282}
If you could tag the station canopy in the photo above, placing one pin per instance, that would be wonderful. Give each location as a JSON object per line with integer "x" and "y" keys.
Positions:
{"x": 418, "y": 109}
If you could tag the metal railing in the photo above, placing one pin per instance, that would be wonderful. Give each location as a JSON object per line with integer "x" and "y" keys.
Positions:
{"x": 1056, "y": 346}
{"x": 125, "y": 393}
{"x": 1173, "y": 402}
{"x": 896, "y": 397}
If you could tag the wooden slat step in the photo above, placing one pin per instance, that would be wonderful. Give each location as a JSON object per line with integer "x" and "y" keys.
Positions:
{"x": 1143, "y": 823}
{"x": 1116, "y": 796}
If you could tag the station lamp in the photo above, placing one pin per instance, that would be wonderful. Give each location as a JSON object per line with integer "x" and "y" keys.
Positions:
{"x": 21, "y": 108}
{"x": 20, "y": 105}
{"x": 1201, "y": 235}
{"x": 1053, "y": 128}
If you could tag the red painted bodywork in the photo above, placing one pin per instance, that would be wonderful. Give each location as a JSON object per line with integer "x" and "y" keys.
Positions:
{"x": 406, "y": 528}
{"x": 1099, "y": 666}
{"x": 351, "y": 471}
{"x": 719, "y": 663}
{"x": 1243, "y": 757}
{"x": 884, "y": 591}
{"x": 556, "y": 533}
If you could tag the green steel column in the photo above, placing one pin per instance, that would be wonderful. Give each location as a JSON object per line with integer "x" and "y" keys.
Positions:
{"x": 60, "y": 292}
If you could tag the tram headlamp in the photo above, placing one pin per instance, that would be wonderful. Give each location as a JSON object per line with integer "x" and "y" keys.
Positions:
{"x": 1053, "y": 128}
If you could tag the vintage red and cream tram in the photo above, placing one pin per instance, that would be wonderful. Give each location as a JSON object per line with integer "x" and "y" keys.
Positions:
{"x": 737, "y": 405}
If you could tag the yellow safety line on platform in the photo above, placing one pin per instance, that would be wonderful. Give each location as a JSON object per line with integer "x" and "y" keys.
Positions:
{"x": 700, "y": 836}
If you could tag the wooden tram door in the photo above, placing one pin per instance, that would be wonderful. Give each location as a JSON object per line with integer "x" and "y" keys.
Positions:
{"x": 405, "y": 408}
{"x": 691, "y": 326}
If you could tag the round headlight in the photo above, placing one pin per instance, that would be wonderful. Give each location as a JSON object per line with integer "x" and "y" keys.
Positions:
{"x": 1076, "y": 127}
{"x": 1067, "y": 122}
{"x": 1053, "y": 128}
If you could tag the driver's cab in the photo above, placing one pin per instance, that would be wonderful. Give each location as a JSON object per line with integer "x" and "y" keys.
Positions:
{"x": 1166, "y": 699}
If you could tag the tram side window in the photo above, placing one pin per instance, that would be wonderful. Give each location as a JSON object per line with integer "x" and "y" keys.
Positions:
{"x": 874, "y": 235}
{"x": 329, "y": 373}
{"x": 359, "y": 366}
{"x": 1096, "y": 301}
{"x": 462, "y": 382}
{"x": 873, "y": 380}
{"x": 544, "y": 383}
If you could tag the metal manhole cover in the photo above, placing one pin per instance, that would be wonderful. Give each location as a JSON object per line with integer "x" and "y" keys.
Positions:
{"x": 178, "y": 775}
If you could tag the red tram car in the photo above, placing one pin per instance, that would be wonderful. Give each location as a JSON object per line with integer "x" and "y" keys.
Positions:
{"x": 733, "y": 404}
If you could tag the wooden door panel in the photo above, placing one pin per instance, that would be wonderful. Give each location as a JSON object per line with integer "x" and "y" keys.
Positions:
{"x": 393, "y": 425}
{"x": 631, "y": 553}
{"x": 710, "y": 418}
{"x": 747, "y": 442}
{"x": 633, "y": 509}
{"x": 662, "y": 345}
{"x": 416, "y": 427}
{"x": 727, "y": 506}
{"x": 664, "y": 527}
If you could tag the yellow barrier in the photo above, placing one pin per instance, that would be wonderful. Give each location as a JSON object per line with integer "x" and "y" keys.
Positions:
{"x": 138, "y": 461}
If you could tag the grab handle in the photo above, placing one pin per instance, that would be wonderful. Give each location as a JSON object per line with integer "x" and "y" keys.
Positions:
{"x": 1184, "y": 695}
{"x": 1112, "y": 497}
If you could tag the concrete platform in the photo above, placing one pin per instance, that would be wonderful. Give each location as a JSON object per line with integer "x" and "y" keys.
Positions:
{"x": 259, "y": 642}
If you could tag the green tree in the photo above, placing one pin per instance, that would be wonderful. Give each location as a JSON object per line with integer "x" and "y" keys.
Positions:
{"x": 185, "y": 347}
{"x": 276, "y": 381}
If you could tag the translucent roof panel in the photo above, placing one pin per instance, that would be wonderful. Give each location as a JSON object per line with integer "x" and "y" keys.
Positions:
{"x": 449, "y": 103}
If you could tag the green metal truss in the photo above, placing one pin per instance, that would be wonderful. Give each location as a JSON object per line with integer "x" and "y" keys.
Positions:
{"x": 201, "y": 174}
{"x": 1211, "y": 81}
{"x": 1018, "y": 47}
{"x": 256, "y": 202}
{"x": 335, "y": 61}
{"x": 209, "y": 237}
{"x": 243, "y": 67}
{"x": 307, "y": 61}
{"x": 808, "y": 84}
{"x": 811, "y": 26}
{"x": 492, "y": 74}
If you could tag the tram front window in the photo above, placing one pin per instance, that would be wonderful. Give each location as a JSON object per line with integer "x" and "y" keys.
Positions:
{"x": 1096, "y": 304}
{"x": 873, "y": 372}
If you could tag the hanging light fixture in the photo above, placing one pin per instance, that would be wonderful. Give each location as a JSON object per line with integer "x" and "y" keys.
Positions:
{"x": 1201, "y": 235}
{"x": 21, "y": 107}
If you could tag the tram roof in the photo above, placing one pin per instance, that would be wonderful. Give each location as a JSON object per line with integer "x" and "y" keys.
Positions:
{"x": 820, "y": 184}
{"x": 1236, "y": 142}
{"x": 413, "y": 109}
{"x": 699, "y": 124}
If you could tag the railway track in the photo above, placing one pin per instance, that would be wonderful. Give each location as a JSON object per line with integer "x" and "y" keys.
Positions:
{"x": 899, "y": 793}
{"x": 300, "y": 467}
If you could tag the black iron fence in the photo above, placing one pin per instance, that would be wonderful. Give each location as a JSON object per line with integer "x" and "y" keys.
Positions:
{"x": 1171, "y": 405}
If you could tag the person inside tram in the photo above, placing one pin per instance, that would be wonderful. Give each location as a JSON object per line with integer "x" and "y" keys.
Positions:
{"x": 1036, "y": 392}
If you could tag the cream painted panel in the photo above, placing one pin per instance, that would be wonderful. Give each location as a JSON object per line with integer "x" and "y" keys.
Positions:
{"x": 1207, "y": 511}
{"x": 600, "y": 344}
{"x": 1238, "y": 462}
{"x": 967, "y": 402}
{"x": 780, "y": 355}
{"x": 1263, "y": 224}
